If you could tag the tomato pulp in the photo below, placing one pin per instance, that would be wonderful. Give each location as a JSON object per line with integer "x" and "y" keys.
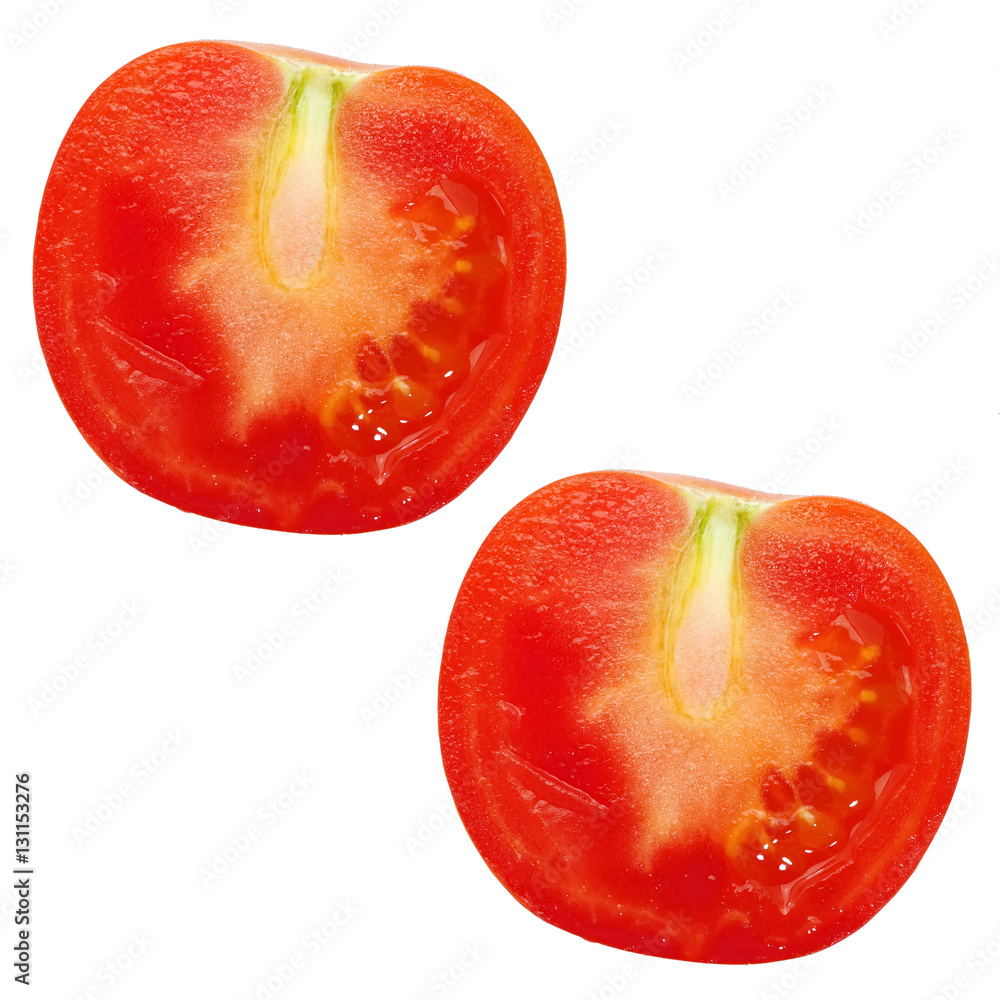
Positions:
{"x": 693, "y": 721}
{"x": 284, "y": 290}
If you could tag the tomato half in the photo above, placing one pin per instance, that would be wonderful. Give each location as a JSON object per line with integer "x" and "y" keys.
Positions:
{"x": 284, "y": 290}
{"x": 693, "y": 721}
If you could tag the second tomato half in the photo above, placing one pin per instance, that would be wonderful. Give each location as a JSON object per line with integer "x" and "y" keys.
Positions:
{"x": 699, "y": 722}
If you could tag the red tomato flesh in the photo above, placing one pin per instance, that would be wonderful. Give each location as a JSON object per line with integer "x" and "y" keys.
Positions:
{"x": 693, "y": 721}
{"x": 284, "y": 290}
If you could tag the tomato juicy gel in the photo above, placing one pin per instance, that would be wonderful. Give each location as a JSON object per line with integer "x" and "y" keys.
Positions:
{"x": 689, "y": 720}
{"x": 284, "y": 290}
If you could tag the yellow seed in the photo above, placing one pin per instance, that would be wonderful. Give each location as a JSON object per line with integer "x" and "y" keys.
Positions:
{"x": 806, "y": 815}
{"x": 734, "y": 842}
{"x": 463, "y": 266}
{"x": 431, "y": 353}
{"x": 453, "y": 305}
{"x": 869, "y": 653}
{"x": 326, "y": 414}
{"x": 837, "y": 784}
{"x": 344, "y": 391}
{"x": 464, "y": 223}
{"x": 329, "y": 410}
{"x": 868, "y": 696}
{"x": 857, "y": 735}
{"x": 741, "y": 831}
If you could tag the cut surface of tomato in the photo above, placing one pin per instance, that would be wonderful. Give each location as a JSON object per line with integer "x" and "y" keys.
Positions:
{"x": 693, "y": 721}
{"x": 284, "y": 290}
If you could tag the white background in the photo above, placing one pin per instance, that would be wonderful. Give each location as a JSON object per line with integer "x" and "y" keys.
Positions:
{"x": 641, "y": 145}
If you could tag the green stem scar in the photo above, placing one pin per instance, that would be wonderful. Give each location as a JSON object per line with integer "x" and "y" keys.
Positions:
{"x": 296, "y": 197}
{"x": 703, "y": 614}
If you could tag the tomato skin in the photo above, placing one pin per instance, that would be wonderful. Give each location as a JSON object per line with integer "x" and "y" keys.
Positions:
{"x": 149, "y": 295}
{"x": 550, "y": 628}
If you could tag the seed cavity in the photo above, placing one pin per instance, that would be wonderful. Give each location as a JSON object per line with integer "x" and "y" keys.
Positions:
{"x": 810, "y": 815}
{"x": 407, "y": 378}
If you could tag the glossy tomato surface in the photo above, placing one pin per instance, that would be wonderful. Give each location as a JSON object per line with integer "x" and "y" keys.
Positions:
{"x": 284, "y": 290}
{"x": 693, "y": 721}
